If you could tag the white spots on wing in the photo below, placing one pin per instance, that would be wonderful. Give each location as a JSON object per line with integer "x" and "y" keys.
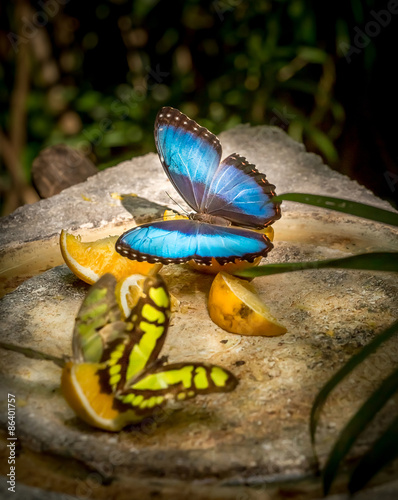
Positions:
{"x": 185, "y": 122}
{"x": 177, "y": 117}
{"x": 168, "y": 115}
{"x": 161, "y": 115}
{"x": 162, "y": 159}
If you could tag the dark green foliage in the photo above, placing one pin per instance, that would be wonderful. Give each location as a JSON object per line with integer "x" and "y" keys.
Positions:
{"x": 354, "y": 428}
{"x": 344, "y": 206}
{"x": 373, "y": 261}
{"x": 385, "y": 448}
{"x": 108, "y": 69}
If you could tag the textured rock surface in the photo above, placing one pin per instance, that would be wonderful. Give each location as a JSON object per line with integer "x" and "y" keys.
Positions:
{"x": 258, "y": 434}
{"x": 90, "y": 204}
{"x": 97, "y": 207}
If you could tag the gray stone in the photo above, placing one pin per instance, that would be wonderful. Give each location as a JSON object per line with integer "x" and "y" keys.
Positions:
{"x": 136, "y": 191}
{"x": 91, "y": 205}
{"x": 258, "y": 434}
{"x": 23, "y": 492}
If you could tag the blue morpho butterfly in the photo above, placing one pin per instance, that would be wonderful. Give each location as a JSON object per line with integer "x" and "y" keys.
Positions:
{"x": 222, "y": 194}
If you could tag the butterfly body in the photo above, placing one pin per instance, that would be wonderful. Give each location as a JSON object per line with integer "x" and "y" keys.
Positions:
{"x": 223, "y": 194}
{"x": 210, "y": 219}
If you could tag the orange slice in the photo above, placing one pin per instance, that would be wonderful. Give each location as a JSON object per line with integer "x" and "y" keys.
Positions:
{"x": 128, "y": 291}
{"x": 170, "y": 215}
{"x": 90, "y": 260}
{"x": 230, "y": 267}
{"x": 235, "y": 307}
{"x": 81, "y": 388}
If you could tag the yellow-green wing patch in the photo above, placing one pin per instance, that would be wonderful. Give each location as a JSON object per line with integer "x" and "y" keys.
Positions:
{"x": 151, "y": 320}
{"x": 98, "y": 321}
{"x": 160, "y": 297}
{"x": 182, "y": 381}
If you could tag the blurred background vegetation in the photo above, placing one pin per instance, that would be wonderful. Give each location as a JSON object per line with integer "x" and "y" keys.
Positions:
{"x": 94, "y": 75}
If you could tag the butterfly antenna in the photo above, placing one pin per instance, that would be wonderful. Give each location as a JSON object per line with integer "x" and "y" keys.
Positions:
{"x": 173, "y": 200}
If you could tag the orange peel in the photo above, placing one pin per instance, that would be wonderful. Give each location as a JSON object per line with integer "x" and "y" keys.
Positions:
{"x": 90, "y": 260}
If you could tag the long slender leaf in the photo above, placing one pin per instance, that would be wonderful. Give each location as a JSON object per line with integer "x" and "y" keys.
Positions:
{"x": 384, "y": 450}
{"x": 341, "y": 205}
{"x": 356, "y": 425}
{"x": 352, "y": 363}
{"x": 375, "y": 261}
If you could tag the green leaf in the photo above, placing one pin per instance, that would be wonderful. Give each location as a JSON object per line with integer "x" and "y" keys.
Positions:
{"x": 114, "y": 138}
{"x": 352, "y": 363}
{"x": 308, "y": 87}
{"x": 341, "y": 205}
{"x": 88, "y": 100}
{"x": 338, "y": 114}
{"x": 307, "y": 29}
{"x": 375, "y": 261}
{"x": 357, "y": 9}
{"x": 295, "y": 130}
{"x": 323, "y": 143}
{"x": 312, "y": 54}
{"x": 383, "y": 451}
{"x": 356, "y": 425}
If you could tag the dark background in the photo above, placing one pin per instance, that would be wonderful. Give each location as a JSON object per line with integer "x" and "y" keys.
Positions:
{"x": 93, "y": 75}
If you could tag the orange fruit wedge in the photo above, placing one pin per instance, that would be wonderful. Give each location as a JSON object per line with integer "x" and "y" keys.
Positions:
{"x": 81, "y": 388}
{"x": 215, "y": 267}
{"x": 235, "y": 307}
{"x": 90, "y": 260}
{"x": 128, "y": 291}
{"x": 170, "y": 215}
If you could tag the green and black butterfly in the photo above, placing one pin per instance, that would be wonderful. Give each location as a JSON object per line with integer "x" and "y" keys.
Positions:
{"x": 116, "y": 376}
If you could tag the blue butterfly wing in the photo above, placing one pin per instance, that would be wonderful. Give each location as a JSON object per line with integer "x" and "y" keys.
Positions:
{"x": 189, "y": 153}
{"x": 241, "y": 194}
{"x": 182, "y": 240}
{"x": 232, "y": 189}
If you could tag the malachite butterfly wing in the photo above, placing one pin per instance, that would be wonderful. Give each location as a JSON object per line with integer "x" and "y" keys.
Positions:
{"x": 98, "y": 322}
{"x": 222, "y": 193}
{"x": 127, "y": 352}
